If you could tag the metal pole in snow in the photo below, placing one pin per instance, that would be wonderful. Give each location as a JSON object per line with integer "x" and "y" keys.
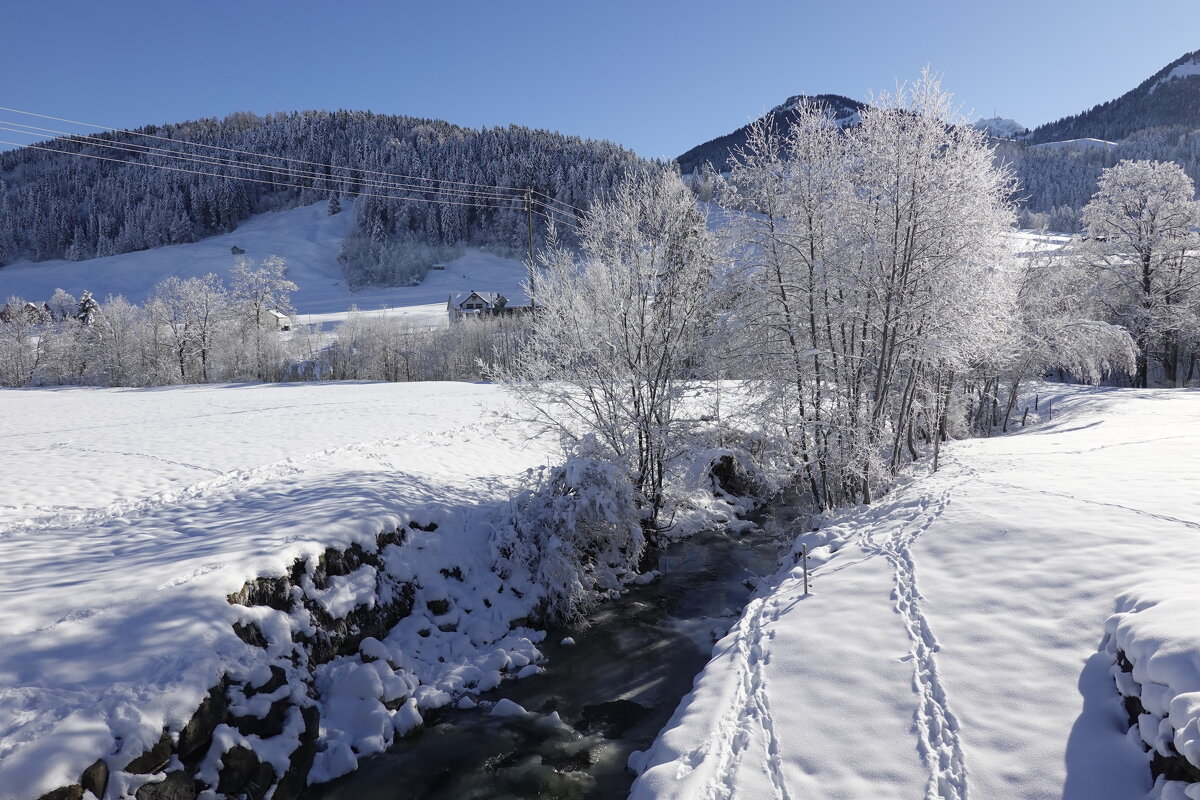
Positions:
{"x": 804, "y": 561}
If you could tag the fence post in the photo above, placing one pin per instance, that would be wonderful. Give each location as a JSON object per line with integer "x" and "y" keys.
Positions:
{"x": 1024, "y": 416}
{"x": 804, "y": 561}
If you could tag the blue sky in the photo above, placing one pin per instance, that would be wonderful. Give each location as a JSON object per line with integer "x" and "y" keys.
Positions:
{"x": 658, "y": 77}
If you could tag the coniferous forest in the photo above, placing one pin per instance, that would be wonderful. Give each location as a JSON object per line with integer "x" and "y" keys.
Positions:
{"x": 112, "y": 202}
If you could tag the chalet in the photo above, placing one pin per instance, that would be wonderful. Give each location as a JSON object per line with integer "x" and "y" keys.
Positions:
{"x": 481, "y": 304}
{"x": 237, "y": 251}
{"x": 28, "y": 312}
{"x": 281, "y": 321}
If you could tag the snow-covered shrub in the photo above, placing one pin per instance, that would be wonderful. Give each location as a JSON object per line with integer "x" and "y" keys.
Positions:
{"x": 375, "y": 259}
{"x": 732, "y": 474}
{"x": 576, "y": 535}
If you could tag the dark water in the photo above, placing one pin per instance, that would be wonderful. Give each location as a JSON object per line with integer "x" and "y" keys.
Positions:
{"x": 612, "y": 692}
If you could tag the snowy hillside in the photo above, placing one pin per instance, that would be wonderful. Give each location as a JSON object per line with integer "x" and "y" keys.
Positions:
{"x": 952, "y": 645}
{"x": 308, "y": 238}
{"x": 1168, "y": 98}
{"x": 1188, "y": 68}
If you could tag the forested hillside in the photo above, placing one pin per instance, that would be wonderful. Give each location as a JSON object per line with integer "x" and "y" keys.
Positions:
{"x": 1169, "y": 97}
{"x": 211, "y": 174}
{"x": 1055, "y": 183}
{"x": 1158, "y": 120}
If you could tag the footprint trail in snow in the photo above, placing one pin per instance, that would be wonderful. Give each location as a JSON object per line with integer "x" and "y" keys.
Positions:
{"x": 939, "y": 744}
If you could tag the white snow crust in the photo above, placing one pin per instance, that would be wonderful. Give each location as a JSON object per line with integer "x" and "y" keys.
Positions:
{"x": 951, "y": 646}
{"x": 1076, "y": 144}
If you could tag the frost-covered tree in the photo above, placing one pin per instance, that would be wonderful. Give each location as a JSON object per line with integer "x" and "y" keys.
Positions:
{"x": 876, "y": 276}
{"x": 257, "y": 290}
{"x": 254, "y": 292}
{"x": 119, "y": 345}
{"x": 619, "y": 332}
{"x": 189, "y": 313}
{"x": 1058, "y": 325}
{"x": 1142, "y": 242}
{"x": 20, "y": 346}
{"x": 62, "y": 304}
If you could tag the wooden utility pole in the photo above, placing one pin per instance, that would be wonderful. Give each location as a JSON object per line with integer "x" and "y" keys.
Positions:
{"x": 529, "y": 232}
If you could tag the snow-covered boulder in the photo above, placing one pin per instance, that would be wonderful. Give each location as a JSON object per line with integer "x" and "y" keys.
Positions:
{"x": 1154, "y": 641}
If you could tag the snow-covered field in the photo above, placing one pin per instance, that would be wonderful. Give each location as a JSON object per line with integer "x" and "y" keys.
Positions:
{"x": 128, "y": 516}
{"x": 308, "y": 238}
{"x": 952, "y": 645}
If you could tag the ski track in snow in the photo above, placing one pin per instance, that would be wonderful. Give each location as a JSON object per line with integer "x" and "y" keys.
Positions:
{"x": 228, "y": 482}
{"x": 939, "y": 744}
{"x": 130, "y": 454}
{"x": 1067, "y": 496}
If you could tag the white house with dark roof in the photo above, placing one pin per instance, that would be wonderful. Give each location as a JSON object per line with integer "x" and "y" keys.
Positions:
{"x": 484, "y": 304}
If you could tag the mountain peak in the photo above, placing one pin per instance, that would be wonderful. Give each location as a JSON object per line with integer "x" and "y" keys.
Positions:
{"x": 844, "y": 111}
{"x": 1000, "y": 127}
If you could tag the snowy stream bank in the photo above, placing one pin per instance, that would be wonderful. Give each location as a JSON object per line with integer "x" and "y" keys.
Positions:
{"x": 605, "y": 693}
{"x": 237, "y": 590}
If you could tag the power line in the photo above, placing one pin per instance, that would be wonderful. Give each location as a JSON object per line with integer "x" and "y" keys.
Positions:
{"x": 258, "y": 180}
{"x": 283, "y": 158}
{"x": 562, "y": 219}
{"x": 219, "y": 161}
{"x": 556, "y": 221}
{"x": 560, "y": 202}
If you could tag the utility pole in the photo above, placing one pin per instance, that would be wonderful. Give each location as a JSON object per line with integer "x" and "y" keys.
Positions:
{"x": 529, "y": 231}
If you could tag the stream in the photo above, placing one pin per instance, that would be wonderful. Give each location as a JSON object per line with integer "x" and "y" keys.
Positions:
{"x": 598, "y": 700}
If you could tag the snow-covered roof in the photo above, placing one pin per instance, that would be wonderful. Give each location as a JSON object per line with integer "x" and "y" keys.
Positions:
{"x": 491, "y": 299}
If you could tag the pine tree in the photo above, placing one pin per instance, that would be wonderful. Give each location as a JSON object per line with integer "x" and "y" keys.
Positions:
{"x": 88, "y": 308}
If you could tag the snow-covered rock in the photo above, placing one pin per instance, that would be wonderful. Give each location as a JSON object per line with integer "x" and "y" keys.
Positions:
{"x": 1154, "y": 643}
